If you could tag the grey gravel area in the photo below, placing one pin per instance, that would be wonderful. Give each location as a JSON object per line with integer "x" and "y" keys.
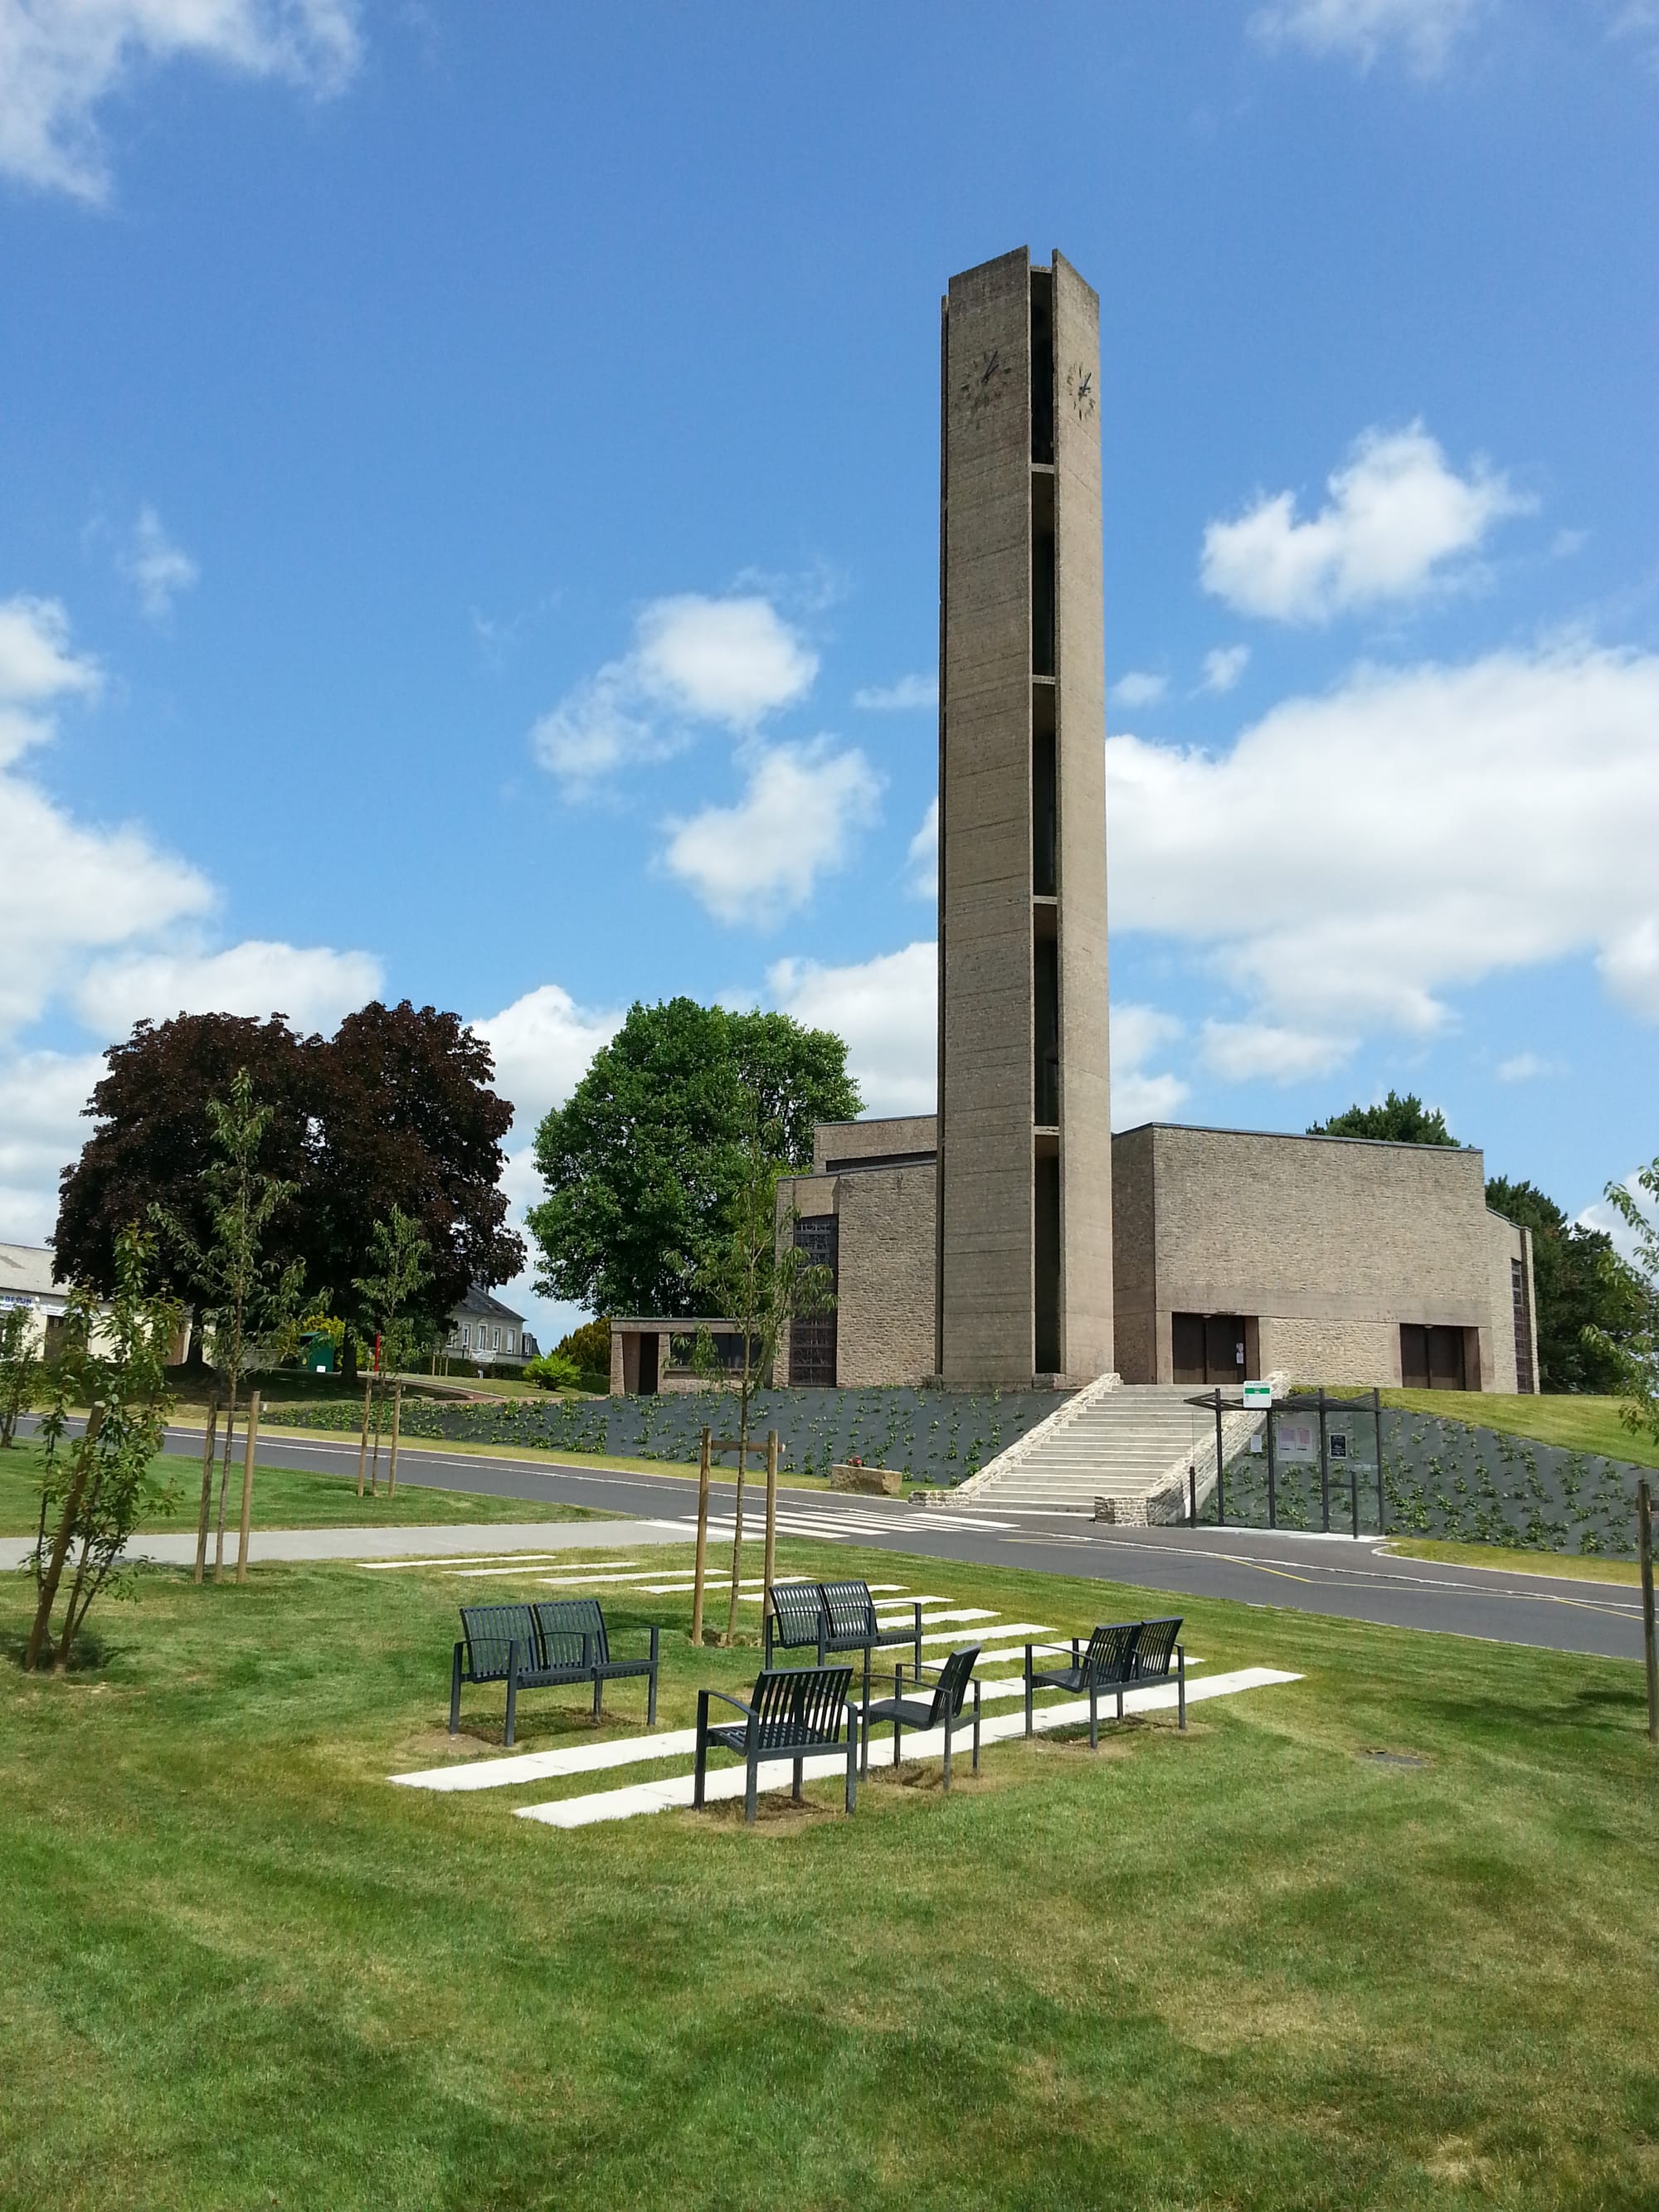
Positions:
{"x": 444, "y": 1543}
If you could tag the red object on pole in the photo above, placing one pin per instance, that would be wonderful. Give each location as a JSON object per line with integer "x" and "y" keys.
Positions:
{"x": 377, "y": 1351}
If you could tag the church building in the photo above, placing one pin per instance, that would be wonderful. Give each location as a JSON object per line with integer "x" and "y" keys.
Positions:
{"x": 1012, "y": 1237}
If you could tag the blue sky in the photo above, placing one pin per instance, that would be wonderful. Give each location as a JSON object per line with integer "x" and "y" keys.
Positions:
{"x": 468, "y": 531}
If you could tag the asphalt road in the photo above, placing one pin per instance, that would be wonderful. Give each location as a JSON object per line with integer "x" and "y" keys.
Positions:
{"x": 1330, "y": 1575}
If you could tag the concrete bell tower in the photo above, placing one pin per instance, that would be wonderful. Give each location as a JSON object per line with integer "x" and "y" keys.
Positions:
{"x": 1025, "y": 1257}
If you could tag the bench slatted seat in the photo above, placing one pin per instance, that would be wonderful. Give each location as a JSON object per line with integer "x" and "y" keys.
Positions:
{"x": 536, "y": 1647}
{"x": 1110, "y": 1662}
{"x": 795, "y": 1710}
{"x": 942, "y": 1708}
{"x": 827, "y": 1618}
{"x": 574, "y": 1638}
{"x": 1159, "y": 1655}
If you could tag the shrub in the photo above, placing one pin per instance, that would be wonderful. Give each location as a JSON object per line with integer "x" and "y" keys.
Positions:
{"x": 587, "y": 1348}
{"x": 554, "y": 1371}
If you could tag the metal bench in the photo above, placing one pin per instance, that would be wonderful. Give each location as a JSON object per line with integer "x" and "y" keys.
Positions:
{"x": 576, "y": 1647}
{"x": 827, "y": 1618}
{"x": 1111, "y": 1663}
{"x": 941, "y": 1709}
{"x": 795, "y": 1710}
{"x": 536, "y": 1647}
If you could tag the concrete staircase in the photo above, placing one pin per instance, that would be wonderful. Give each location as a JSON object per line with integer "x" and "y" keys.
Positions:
{"x": 1129, "y": 1443}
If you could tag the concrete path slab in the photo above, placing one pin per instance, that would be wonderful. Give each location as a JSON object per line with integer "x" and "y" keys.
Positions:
{"x": 546, "y": 1539}
{"x": 674, "y": 1791}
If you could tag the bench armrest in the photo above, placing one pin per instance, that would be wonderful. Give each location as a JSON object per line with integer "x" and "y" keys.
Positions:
{"x": 748, "y": 1712}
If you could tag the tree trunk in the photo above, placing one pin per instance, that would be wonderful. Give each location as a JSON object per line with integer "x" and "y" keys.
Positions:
{"x": 224, "y": 1479}
{"x": 362, "y": 1441}
{"x": 61, "y": 1541}
{"x": 396, "y": 1416}
{"x": 208, "y": 1441}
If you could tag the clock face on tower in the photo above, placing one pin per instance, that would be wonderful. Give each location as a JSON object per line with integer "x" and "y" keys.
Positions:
{"x": 1080, "y": 391}
{"x": 986, "y": 375}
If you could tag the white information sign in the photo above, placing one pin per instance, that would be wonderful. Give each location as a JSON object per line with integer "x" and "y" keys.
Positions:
{"x": 1295, "y": 1440}
{"x": 1258, "y": 1394}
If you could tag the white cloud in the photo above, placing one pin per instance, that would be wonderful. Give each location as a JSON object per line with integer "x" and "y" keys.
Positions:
{"x": 1358, "y": 854}
{"x": 543, "y": 1043}
{"x": 1526, "y": 1067}
{"x": 760, "y": 859}
{"x": 923, "y": 855}
{"x": 312, "y": 984}
{"x": 1608, "y": 1219}
{"x": 908, "y": 694}
{"x": 887, "y": 1010}
{"x": 1397, "y": 514}
{"x": 1243, "y": 1052}
{"x": 1137, "y": 1033}
{"x": 1223, "y": 666}
{"x": 65, "y": 888}
{"x": 41, "y": 1097}
{"x": 60, "y": 60}
{"x": 731, "y": 662}
{"x": 1362, "y": 31}
{"x": 157, "y": 569}
{"x": 1139, "y": 688}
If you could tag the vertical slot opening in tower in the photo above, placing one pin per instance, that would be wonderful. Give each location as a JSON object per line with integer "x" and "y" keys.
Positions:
{"x": 1045, "y": 1254}
{"x": 1045, "y": 794}
{"x": 1043, "y": 365}
{"x": 1045, "y": 992}
{"x": 1043, "y": 573}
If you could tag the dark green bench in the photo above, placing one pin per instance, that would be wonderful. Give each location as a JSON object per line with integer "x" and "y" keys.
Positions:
{"x": 1125, "y": 1655}
{"x": 941, "y": 1708}
{"x": 828, "y": 1618}
{"x": 795, "y": 1711}
{"x": 538, "y": 1647}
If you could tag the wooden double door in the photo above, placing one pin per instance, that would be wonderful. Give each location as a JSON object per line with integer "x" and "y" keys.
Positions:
{"x": 1208, "y": 1347}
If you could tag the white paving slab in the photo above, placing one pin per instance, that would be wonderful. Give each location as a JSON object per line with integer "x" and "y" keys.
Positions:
{"x": 674, "y": 1791}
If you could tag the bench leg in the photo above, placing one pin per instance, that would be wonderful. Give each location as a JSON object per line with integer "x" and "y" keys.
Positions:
{"x": 1181, "y": 1683}
{"x": 511, "y": 1692}
{"x": 947, "y": 1753}
{"x": 976, "y": 1712}
{"x": 897, "y": 1732}
{"x": 918, "y": 1650}
{"x": 853, "y": 1754}
{"x": 702, "y": 1767}
{"x": 795, "y": 1792}
{"x": 598, "y": 1696}
{"x": 751, "y": 1784}
{"x": 455, "y": 1694}
{"x": 1027, "y": 1689}
{"x": 1120, "y": 1701}
{"x": 866, "y": 1706}
{"x": 651, "y": 1687}
{"x": 1094, "y": 1717}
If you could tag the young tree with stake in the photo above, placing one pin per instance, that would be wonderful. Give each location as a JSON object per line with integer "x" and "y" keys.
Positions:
{"x": 391, "y": 1298}
{"x": 768, "y": 1282}
{"x": 249, "y": 1298}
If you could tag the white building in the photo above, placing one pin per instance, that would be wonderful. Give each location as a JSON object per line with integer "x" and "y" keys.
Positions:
{"x": 26, "y": 1280}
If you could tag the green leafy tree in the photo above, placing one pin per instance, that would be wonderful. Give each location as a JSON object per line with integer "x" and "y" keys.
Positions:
{"x": 393, "y": 1299}
{"x": 1639, "y": 1356}
{"x": 250, "y": 1297}
{"x": 643, "y": 1163}
{"x": 1591, "y": 1307}
{"x": 19, "y": 1370}
{"x": 95, "y": 1487}
{"x": 1399, "y": 1121}
{"x": 587, "y": 1348}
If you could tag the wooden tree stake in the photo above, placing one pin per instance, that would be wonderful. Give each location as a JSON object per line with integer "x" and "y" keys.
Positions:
{"x": 397, "y": 1416}
{"x": 703, "y": 1541}
{"x": 208, "y": 1442}
{"x": 362, "y": 1441}
{"x": 771, "y": 1524}
{"x": 1650, "y": 1646}
{"x": 248, "y": 1485}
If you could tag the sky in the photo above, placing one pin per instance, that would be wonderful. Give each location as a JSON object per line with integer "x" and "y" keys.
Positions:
{"x": 469, "y": 533}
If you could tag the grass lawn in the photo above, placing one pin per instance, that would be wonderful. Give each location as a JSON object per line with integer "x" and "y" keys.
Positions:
{"x": 1585, "y": 1425}
{"x": 284, "y": 1498}
{"x": 1570, "y": 1565}
{"x": 1249, "y": 1967}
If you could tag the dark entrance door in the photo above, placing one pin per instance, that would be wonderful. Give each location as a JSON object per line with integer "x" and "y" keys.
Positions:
{"x": 1208, "y": 1347}
{"x": 1431, "y": 1358}
{"x": 650, "y": 1345}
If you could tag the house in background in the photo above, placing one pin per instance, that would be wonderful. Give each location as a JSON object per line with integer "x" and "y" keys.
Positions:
{"x": 481, "y": 1328}
{"x": 26, "y": 1280}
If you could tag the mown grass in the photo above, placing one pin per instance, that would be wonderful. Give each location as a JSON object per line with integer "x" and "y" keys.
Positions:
{"x": 1249, "y": 1967}
{"x": 1570, "y": 1566}
{"x": 1582, "y": 1424}
{"x": 284, "y": 1498}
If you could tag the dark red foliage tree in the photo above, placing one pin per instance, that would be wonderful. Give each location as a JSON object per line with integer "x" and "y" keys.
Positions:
{"x": 153, "y": 1138}
{"x": 396, "y": 1109}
